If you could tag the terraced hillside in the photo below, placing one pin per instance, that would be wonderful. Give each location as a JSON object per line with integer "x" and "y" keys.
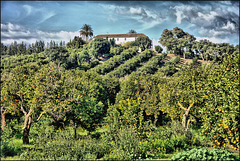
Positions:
{"x": 148, "y": 62}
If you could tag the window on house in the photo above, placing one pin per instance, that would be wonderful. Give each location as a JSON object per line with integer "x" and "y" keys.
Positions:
{"x": 117, "y": 39}
{"x": 125, "y": 39}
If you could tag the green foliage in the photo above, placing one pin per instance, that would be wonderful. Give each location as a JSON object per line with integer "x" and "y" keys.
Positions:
{"x": 151, "y": 66}
{"x": 99, "y": 47}
{"x": 83, "y": 57}
{"x": 204, "y": 154}
{"x": 8, "y": 149}
{"x": 65, "y": 147}
{"x": 124, "y": 145}
{"x": 169, "y": 69}
{"x": 115, "y": 61}
{"x": 86, "y": 112}
{"x": 59, "y": 55}
{"x": 131, "y": 64}
{"x": 158, "y": 48}
{"x": 176, "y": 60}
{"x": 77, "y": 42}
{"x": 9, "y": 63}
{"x": 116, "y": 50}
{"x": 143, "y": 42}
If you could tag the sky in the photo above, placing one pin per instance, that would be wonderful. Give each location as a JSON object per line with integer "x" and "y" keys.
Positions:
{"x": 28, "y": 21}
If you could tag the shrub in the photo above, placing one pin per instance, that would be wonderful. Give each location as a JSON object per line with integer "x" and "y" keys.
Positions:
{"x": 115, "y": 61}
{"x": 116, "y": 50}
{"x": 176, "y": 60}
{"x": 158, "y": 49}
{"x": 204, "y": 154}
{"x": 125, "y": 144}
{"x": 98, "y": 47}
{"x": 65, "y": 147}
{"x": 8, "y": 149}
{"x": 169, "y": 69}
{"x": 151, "y": 66}
{"x": 131, "y": 64}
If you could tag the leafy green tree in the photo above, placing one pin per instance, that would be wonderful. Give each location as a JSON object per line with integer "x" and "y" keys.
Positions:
{"x": 77, "y": 43}
{"x": 99, "y": 47}
{"x": 177, "y": 40}
{"x": 143, "y": 43}
{"x": 86, "y": 112}
{"x": 3, "y": 49}
{"x": 16, "y": 92}
{"x": 112, "y": 42}
{"x": 87, "y": 31}
{"x": 158, "y": 48}
{"x": 132, "y": 31}
{"x": 22, "y": 49}
{"x": 57, "y": 54}
{"x": 83, "y": 57}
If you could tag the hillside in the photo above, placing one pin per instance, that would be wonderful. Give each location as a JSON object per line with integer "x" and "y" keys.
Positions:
{"x": 102, "y": 101}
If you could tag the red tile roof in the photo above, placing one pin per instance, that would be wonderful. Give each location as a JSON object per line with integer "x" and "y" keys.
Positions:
{"x": 121, "y": 35}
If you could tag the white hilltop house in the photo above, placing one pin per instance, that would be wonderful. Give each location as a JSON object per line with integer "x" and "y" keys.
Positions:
{"x": 121, "y": 38}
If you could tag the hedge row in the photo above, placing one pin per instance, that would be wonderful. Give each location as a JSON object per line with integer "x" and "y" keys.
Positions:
{"x": 13, "y": 61}
{"x": 151, "y": 66}
{"x": 115, "y": 61}
{"x": 131, "y": 64}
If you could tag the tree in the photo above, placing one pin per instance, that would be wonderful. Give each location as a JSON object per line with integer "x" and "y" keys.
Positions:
{"x": 58, "y": 54}
{"x": 98, "y": 47}
{"x": 83, "y": 57}
{"x": 112, "y": 42}
{"x": 3, "y": 49}
{"x": 22, "y": 49}
{"x": 158, "y": 49}
{"x": 177, "y": 40}
{"x": 77, "y": 42}
{"x": 143, "y": 43}
{"x": 87, "y": 31}
{"x": 16, "y": 92}
{"x": 132, "y": 31}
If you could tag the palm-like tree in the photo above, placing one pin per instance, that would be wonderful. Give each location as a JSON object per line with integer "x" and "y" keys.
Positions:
{"x": 87, "y": 31}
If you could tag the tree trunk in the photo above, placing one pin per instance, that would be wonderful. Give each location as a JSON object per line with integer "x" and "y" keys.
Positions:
{"x": 4, "y": 124}
{"x": 202, "y": 57}
{"x": 184, "y": 56}
{"x": 75, "y": 131}
{"x": 26, "y": 129}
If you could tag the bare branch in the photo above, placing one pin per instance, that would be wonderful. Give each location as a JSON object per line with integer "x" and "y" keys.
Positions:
{"x": 40, "y": 116}
{"x": 23, "y": 110}
{"x": 181, "y": 106}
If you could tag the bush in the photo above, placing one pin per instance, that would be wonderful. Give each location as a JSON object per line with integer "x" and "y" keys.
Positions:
{"x": 204, "y": 154}
{"x": 176, "y": 60}
{"x": 8, "y": 149}
{"x": 64, "y": 147}
{"x": 125, "y": 144}
{"x": 115, "y": 61}
{"x": 158, "y": 49}
{"x": 169, "y": 69}
{"x": 116, "y": 50}
{"x": 131, "y": 64}
{"x": 98, "y": 47}
{"x": 151, "y": 66}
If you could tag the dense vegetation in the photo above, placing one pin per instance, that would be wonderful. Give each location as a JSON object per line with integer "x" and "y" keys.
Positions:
{"x": 98, "y": 100}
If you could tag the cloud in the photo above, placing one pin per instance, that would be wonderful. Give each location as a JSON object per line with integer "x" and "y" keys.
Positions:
{"x": 11, "y": 33}
{"x": 147, "y": 18}
{"x": 214, "y": 39}
{"x": 28, "y": 9}
{"x": 209, "y": 21}
{"x": 229, "y": 26}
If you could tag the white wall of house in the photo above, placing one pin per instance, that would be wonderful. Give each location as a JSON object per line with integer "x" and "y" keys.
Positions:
{"x": 123, "y": 40}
